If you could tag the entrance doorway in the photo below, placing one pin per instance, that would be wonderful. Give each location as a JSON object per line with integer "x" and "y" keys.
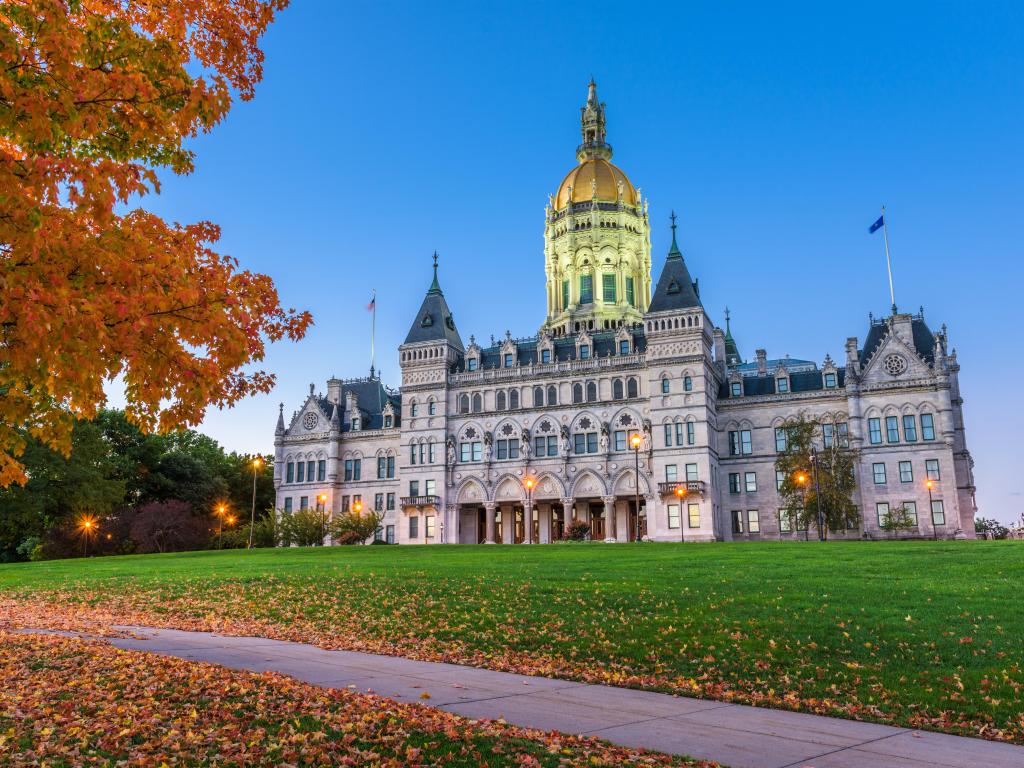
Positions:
{"x": 597, "y": 522}
{"x": 481, "y": 525}
{"x": 557, "y": 522}
{"x": 633, "y": 521}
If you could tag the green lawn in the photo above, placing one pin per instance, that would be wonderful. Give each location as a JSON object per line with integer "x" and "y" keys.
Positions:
{"x": 929, "y": 634}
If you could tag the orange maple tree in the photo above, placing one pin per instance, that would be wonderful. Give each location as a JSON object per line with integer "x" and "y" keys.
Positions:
{"x": 96, "y": 96}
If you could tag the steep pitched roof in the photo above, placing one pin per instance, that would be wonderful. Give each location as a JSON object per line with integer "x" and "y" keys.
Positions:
{"x": 372, "y": 397}
{"x": 922, "y": 336}
{"x": 675, "y": 289}
{"x": 434, "y": 321}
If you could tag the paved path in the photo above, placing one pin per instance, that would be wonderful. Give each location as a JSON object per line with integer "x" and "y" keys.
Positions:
{"x": 735, "y": 735}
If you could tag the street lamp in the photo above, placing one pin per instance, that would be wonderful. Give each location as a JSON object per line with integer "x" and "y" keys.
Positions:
{"x": 817, "y": 495}
{"x": 528, "y": 515}
{"x": 256, "y": 464}
{"x": 801, "y": 480}
{"x": 929, "y": 483}
{"x": 87, "y": 526}
{"x": 220, "y": 511}
{"x": 681, "y": 495}
{"x": 322, "y": 503}
{"x": 635, "y": 442}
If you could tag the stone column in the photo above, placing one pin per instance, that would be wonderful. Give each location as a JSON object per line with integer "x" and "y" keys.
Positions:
{"x": 528, "y": 522}
{"x": 489, "y": 507}
{"x": 568, "y": 510}
{"x": 508, "y": 525}
{"x": 544, "y": 513}
{"x": 609, "y": 517}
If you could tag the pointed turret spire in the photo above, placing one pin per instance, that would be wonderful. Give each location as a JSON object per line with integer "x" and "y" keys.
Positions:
{"x": 280, "y": 420}
{"x": 434, "y": 321}
{"x": 732, "y": 352}
{"x": 675, "y": 289}
{"x": 435, "y": 287}
{"x": 674, "y": 250}
{"x": 592, "y": 128}
{"x": 335, "y": 419}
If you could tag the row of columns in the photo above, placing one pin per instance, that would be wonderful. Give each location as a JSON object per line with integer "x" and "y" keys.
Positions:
{"x": 569, "y": 512}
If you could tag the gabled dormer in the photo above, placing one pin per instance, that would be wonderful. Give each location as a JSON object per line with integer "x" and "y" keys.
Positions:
{"x": 829, "y": 374}
{"x": 584, "y": 346}
{"x": 545, "y": 348}
{"x": 624, "y": 344}
{"x": 508, "y": 352}
{"x": 781, "y": 377}
{"x": 473, "y": 355}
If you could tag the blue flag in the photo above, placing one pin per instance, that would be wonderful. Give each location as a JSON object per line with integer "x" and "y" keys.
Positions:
{"x": 877, "y": 225}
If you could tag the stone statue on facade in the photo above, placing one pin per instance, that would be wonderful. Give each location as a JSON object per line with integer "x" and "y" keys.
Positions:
{"x": 524, "y": 447}
{"x": 450, "y": 449}
{"x": 488, "y": 445}
{"x": 566, "y": 443}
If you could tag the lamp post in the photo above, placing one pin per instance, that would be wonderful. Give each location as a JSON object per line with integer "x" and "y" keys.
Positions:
{"x": 256, "y": 464}
{"x": 87, "y": 526}
{"x": 681, "y": 495}
{"x": 817, "y": 495}
{"x": 801, "y": 480}
{"x": 929, "y": 483}
{"x": 220, "y": 511}
{"x": 635, "y": 441}
{"x": 529, "y": 482}
{"x": 321, "y": 502}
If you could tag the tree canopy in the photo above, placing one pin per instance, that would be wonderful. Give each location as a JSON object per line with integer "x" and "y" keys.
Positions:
{"x": 96, "y": 97}
{"x": 114, "y": 473}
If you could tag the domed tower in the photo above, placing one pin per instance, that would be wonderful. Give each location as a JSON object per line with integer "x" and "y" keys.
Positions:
{"x": 597, "y": 245}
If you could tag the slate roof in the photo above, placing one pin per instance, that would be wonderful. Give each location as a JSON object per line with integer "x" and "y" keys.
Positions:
{"x": 603, "y": 343}
{"x": 923, "y": 338}
{"x": 434, "y": 321}
{"x": 791, "y": 364}
{"x": 675, "y": 289}
{"x": 799, "y": 381}
{"x": 371, "y": 397}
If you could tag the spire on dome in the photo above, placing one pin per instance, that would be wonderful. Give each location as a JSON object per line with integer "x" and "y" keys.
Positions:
{"x": 592, "y": 128}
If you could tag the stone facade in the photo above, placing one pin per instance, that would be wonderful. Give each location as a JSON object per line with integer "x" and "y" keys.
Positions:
{"x": 479, "y": 435}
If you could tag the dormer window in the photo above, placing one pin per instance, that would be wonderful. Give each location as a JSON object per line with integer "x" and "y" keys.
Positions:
{"x": 782, "y": 385}
{"x": 584, "y": 351}
{"x": 389, "y": 421}
{"x": 545, "y": 356}
{"x": 830, "y": 380}
{"x": 355, "y": 425}
{"x": 508, "y": 359}
{"x": 736, "y": 389}
{"x": 471, "y": 364}
{"x": 624, "y": 347}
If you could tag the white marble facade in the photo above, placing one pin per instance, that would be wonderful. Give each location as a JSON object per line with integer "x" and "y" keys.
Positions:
{"x": 475, "y": 433}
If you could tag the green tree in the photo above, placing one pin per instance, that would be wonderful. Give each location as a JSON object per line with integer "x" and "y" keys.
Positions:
{"x": 59, "y": 489}
{"x": 355, "y": 528}
{"x": 817, "y": 476}
{"x": 898, "y": 519}
{"x": 303, "y": 528}
{"x": 993, "y": 529}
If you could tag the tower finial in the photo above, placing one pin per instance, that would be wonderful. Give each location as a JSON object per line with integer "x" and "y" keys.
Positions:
{"x": 674, "y": 250}
{"x": 592, "y": 128}
{"x": 727, "y": 331}
{"x": 435, "y": 287}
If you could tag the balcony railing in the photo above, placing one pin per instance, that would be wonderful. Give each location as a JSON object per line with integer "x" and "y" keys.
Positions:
{"x": 421, "y": 501}
{"x": 689, "y": 486}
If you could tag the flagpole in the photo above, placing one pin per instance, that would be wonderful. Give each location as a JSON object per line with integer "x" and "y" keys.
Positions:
{"x": 373, "y": 332}
{"x": 888, "y": 261}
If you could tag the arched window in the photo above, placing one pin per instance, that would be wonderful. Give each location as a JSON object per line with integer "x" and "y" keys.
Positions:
{"x": 552, "y": 395}
{"x": 513, "y": 399}
{"x": 577, "y": 393}
{"x": 463, "y": 403}
{"x": 666, "y": 385}
{"x": 687, "y": 384}
{"x": 591, "y": 392}
{"x": 538, "y": 397}
{"x": 617, "y": 389}
{"x": 431, "y": 408}
{"x": 413, "y": 408}
{"x": 478, "y": 403}
{"x": 499, "y": 401}
{"x": 631, "y": 388}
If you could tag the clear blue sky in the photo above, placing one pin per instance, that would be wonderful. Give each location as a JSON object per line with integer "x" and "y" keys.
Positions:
{"x": 384, "y": 131}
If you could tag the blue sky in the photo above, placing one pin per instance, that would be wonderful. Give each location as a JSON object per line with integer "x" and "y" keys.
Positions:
{"x": 385, "y": 131}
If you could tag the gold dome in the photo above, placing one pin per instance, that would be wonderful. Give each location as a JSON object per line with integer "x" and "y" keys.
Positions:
{"x": 582, "y": 177}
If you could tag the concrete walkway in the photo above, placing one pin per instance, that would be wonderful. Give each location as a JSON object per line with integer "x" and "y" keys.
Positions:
{"x": 734, "y": 735}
